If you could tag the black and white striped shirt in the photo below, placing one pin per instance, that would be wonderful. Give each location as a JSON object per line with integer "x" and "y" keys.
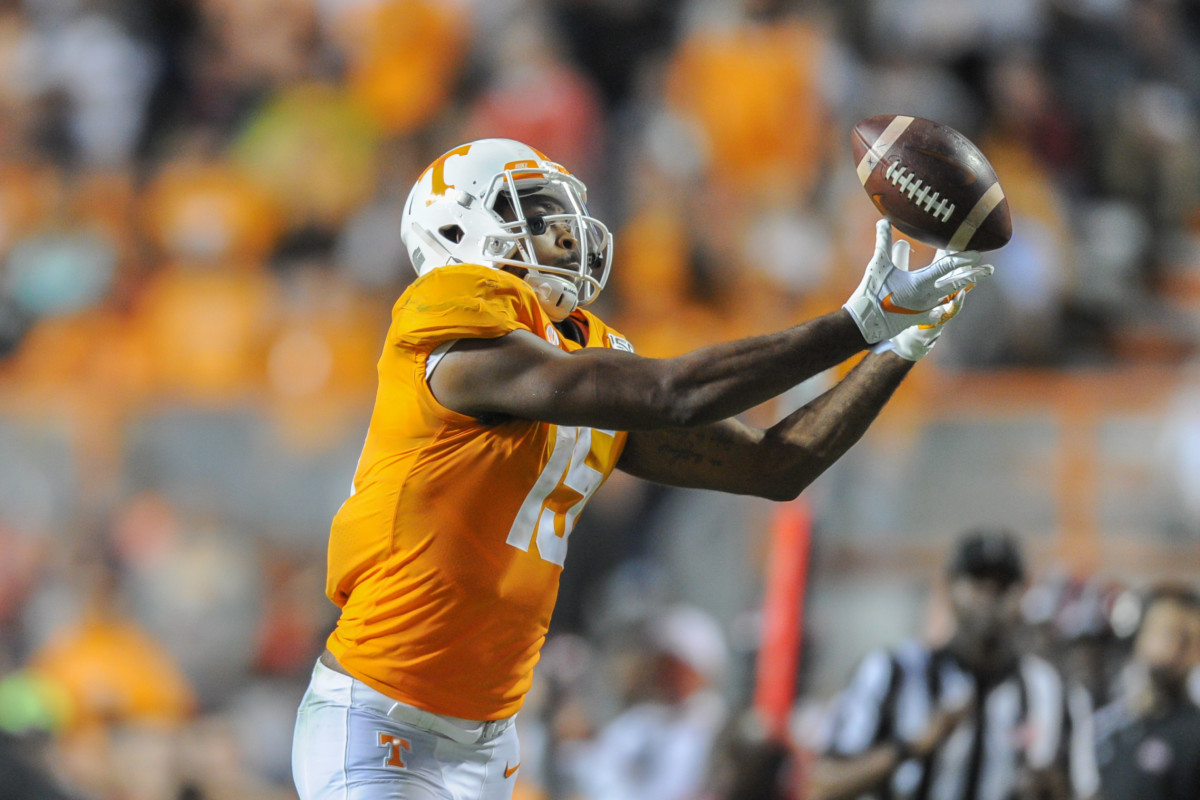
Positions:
{"x": 1027, "y": 719}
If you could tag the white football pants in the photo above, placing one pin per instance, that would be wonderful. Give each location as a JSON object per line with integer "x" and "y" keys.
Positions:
{"x": 354, "y": 743}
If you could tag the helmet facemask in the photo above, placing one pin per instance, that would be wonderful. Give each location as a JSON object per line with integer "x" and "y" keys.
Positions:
{"x": 514, "y": 244}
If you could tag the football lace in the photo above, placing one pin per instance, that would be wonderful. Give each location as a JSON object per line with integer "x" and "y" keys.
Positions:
{"x": 918, "y": 192}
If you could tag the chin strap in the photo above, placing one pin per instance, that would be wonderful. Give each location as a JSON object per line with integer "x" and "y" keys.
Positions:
{"x": 558, "y": 296}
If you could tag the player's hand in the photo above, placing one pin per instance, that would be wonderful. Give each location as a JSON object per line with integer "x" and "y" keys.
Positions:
{"x": 941, "y": 724}
{"x": 951, "y": 711}
{"x": 890, "y": 298}
{"x": 915, "y": 343}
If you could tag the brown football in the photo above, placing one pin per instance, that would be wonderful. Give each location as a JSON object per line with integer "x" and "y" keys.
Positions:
{"x": 931, "y": 182}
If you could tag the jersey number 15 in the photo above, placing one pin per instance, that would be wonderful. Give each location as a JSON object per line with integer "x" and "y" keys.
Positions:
{"x": 558, "y": 495}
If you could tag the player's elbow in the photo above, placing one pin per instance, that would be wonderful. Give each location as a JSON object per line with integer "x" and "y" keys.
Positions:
{"x": 793, "y": 468}
{"x": 782, "y": 492}
{"x": 786, "y": 486}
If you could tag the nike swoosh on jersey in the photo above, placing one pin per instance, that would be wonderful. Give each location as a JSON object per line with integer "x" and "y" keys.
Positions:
{"x": 510, "y": 771}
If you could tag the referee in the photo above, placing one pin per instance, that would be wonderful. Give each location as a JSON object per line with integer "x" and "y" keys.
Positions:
{"x": 972, "y": 720}
{"x": 1148, "y": 739}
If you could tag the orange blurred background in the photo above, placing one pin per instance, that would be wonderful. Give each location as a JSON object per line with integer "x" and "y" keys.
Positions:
{"x": 199, "y": 251}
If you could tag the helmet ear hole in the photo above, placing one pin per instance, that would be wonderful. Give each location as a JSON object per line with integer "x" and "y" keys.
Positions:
{"x": 451, "y": 232}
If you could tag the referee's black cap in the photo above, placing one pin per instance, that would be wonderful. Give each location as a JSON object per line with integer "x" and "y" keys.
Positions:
{"x": 988, "y": 553}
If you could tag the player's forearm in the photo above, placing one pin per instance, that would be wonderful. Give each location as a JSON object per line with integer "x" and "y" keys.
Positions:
{"x": 843, "y": 779}
{"x": 804, "y": 444}
{"x": 718, "y": 382}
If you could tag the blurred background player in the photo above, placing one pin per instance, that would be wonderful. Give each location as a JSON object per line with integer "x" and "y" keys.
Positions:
{"x": 972, "y": 718}
{"x": 1148, "y": 738}
{"x": 662, "y": 744}
{"x": 503, "y": 405}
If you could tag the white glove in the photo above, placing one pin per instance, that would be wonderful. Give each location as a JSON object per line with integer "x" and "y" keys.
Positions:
{"x": 890, "y": 299}
{"x": 915, "y": 343}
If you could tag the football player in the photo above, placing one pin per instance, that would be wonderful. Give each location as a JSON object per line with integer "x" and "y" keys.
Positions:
{"x": 503, "y": 404}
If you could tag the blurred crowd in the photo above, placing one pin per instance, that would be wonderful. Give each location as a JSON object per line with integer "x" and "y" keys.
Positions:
{"x": 199, "y": 250}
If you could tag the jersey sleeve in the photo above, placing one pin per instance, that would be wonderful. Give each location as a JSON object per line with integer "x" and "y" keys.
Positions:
{"x": 465, "y": 302}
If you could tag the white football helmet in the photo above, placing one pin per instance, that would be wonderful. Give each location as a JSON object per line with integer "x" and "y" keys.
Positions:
{"x": 450, "y": 217}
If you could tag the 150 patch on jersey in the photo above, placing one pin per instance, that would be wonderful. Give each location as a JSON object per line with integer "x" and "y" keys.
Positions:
{"x": 619, "y": 343}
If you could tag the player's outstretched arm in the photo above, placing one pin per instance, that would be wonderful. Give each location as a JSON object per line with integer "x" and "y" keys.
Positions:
{"x": 776, "y": 463}
{"x": 521, "y": 375}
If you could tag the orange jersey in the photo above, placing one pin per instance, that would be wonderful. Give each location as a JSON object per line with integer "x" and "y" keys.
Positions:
{"x": 446, "y": 557}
